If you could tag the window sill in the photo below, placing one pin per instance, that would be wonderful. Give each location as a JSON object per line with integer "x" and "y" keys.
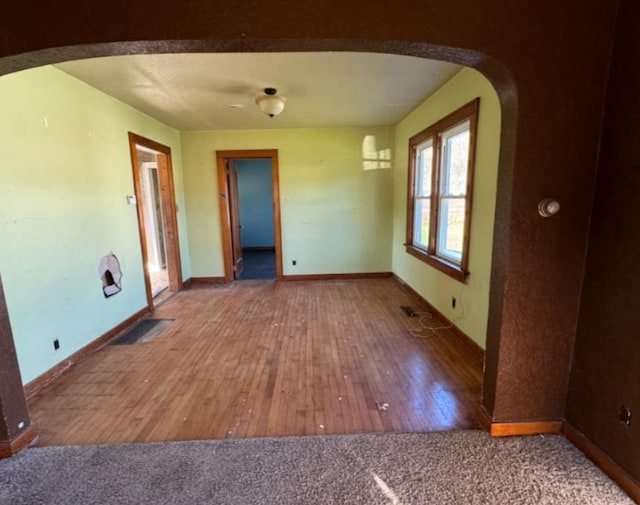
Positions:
{"x": 451, "y": 269}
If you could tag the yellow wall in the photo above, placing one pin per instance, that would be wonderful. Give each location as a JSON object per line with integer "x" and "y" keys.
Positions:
{"x": 336, "y": 216}
{"x": 472, "y": 305}
{"x": 64, "y": 174}
{"x": 65, "y": 171}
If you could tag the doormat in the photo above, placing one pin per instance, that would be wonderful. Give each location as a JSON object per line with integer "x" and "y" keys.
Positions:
{"x": 145, "y": 330}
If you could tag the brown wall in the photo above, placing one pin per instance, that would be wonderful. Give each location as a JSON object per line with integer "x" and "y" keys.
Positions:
{"x": 13, "y": 408}
{"x": 606, "y": 368}
{"x": 548, "y": 61}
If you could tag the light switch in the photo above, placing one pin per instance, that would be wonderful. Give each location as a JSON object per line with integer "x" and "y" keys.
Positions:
{"x": 131, "y": 199}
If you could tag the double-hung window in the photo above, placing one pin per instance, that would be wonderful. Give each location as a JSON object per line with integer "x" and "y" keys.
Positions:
{"x": 440, "y": 189}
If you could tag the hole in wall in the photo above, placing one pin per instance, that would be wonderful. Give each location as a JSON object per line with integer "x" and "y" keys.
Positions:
{"x": 110, "y": 274}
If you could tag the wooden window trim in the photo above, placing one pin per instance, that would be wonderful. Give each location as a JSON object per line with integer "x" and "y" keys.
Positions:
{"x": 466, "y": 112}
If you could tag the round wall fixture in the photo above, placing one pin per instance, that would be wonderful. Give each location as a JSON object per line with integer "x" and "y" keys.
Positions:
{"x": 548, "y": 207}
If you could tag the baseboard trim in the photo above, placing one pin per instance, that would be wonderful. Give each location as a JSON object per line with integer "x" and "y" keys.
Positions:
{"x": 620, "y": 476}
{"x": 514, "y": 429}
{"x": 525, "y": 428}
{"x": 13, "y": 447}
{"x": 330, "y": 277}
{"x": 204, "y": 280}
{"x": 40, "y": 382}
{"x": 462, "y": 336}
{"x": 269, "y": 248}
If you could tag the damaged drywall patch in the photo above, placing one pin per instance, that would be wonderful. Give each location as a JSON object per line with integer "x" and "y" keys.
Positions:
{"x": 109, "y": 272}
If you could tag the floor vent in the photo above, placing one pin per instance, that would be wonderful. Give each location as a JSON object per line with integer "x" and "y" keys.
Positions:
{"x": 144, "y": 331}
{"x": 408, "y": 311}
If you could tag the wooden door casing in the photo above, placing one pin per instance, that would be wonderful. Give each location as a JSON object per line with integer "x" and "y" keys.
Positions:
{"x": 236, "y": 224}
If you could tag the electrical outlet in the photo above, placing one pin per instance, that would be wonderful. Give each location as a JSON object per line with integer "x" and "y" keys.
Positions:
{"x": 453, "y": 302}
{"x": 294, "y": 263}
{"x": 56, "y": 344}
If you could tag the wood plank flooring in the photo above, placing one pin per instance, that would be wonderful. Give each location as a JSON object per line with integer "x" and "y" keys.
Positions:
{"x": 267, "y": 358}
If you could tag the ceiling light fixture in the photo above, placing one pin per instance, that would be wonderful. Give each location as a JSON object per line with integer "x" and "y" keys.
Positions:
{"x": 269, "y": 103}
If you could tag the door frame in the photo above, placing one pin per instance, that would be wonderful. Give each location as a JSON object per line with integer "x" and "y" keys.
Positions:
{"x": 225, "y": 213}
{"x": 169, "y": 219}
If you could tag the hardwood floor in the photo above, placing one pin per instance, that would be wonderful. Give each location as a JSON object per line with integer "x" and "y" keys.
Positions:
{"x": 266, "y": 358}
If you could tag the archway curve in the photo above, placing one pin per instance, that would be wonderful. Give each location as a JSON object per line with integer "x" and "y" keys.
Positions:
{"x": 491, "y": 68}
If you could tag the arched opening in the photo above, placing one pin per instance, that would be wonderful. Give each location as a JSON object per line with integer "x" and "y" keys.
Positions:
{"x": 536, "y": 292}
{"x": 502, "y": 184}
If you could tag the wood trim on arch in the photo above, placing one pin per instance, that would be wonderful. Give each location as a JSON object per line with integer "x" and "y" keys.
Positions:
{"x": 512, "y": 429}
{"x": 223, "y": 199}
{"x": 10, "y": 448}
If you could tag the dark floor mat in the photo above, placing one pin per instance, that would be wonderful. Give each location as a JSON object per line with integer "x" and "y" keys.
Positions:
{"x": 143, "y": 331}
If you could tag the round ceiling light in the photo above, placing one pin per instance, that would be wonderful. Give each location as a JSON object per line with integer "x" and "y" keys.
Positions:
{"x": 269, "y": 103}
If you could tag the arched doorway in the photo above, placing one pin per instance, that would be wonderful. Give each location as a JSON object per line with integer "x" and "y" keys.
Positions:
{"x": 526, "y": 358}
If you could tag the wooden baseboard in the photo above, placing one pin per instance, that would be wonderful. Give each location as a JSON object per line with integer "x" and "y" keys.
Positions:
{"x": 602, "y": 461}
{"x": 13, "y": 447}
{"x": 462, "y": 336}
{"x": 620, "y": 476}
{"x": 333, "y": 277}
{"x": 518, "y": 428}
{"x": 204, "y": 280}
{"x": 37, "y": 384}
{"x": 525, "y": 428}
{"x": 260, "y": 248}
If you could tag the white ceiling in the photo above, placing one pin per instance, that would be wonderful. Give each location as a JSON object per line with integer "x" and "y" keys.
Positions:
{"x": 329, "y": 89}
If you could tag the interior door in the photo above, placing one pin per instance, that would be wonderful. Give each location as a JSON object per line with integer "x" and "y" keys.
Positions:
{"x": 234, "y": 209}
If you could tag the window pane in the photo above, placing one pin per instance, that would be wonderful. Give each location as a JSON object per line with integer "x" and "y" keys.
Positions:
{"x": 455, "y": 160}
{"x": 421, "y": 222}
{"x": 424, "y": 162}
{"x": 451, "y": 229}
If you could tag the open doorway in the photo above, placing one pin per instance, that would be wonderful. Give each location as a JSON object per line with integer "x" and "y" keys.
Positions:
{"x": 257, "y": 229}
{"x": 250, "y": 213}
{"x": 155, "y": 200}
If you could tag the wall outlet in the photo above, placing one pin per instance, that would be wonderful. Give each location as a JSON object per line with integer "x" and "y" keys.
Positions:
{"x": 294, "y": 263}
{"x": 56, "y": 344}
{"x": 453, "y": 302}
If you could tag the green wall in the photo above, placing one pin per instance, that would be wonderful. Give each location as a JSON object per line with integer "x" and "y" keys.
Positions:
{"x": 336, "y": 204}
{"x": 472, "y": 305}
{"x": 64, "y": 174}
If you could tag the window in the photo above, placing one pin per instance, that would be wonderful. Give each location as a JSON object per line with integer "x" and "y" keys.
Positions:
{"x": 440, "y": 189}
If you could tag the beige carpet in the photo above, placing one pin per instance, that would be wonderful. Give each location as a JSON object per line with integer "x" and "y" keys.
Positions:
{"x": 459, "y": 467}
